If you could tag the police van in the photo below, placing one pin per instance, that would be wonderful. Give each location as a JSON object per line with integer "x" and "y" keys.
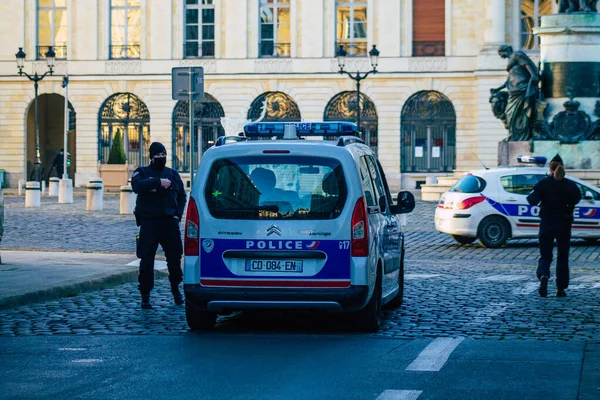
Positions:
{"x": 491, "y": 206}
{"x": 279, "y": 220}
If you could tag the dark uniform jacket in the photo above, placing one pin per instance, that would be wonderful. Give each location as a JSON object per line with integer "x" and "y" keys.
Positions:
{"x": 558, "y": 198}
{"x": 153, "y": 201}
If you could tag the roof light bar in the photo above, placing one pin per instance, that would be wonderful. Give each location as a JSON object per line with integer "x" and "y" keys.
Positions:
{"x": 538, "y": 160}
{"x": 270, "y": 129}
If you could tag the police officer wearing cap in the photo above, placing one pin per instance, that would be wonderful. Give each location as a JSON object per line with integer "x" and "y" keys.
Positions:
{"x": 159, "y": 209}
{"x": 557, "y": 197}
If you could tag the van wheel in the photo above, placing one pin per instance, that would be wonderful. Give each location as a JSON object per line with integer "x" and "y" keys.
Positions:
{"x": 493, "y": 232}
{"x": 463, "y": 239}
{"x": 199, "y": 320}
{"x": 369, "y": 318}
{"x": 399, "y": 298}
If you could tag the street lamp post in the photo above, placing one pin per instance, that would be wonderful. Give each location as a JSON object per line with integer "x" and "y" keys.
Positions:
{"x": 341, "y": 57}
{"x": 50, "y": 56}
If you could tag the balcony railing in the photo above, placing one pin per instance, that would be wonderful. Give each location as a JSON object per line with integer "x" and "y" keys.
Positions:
{"x": 429, "y": 48}
{"x": 194, "y": 50}
{"x": 125, "y": 51}
{"x": 61, "y": 52}
{"x": 354, "y": 49}
{"x": 271, "y": 49}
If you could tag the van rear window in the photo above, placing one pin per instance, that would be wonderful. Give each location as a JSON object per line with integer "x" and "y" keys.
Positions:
{"x": 469, "y": 184}
{"x": 276, "y": 187}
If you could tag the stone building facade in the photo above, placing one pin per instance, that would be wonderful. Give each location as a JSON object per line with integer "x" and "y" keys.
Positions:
{"x": 426, "y": 111}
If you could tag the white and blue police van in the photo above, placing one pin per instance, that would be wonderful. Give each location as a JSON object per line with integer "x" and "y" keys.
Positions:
{"x": 491, "y": 206}
{"x": 278, "y": 220}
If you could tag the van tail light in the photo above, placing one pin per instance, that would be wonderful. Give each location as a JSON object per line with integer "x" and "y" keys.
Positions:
{"x": 360, "y": 229}
{"x": 470, "y": 202}
{"x": 191, "y": 242}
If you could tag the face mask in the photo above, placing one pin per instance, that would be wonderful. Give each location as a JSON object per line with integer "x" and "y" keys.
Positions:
{"x": 160, "y": 162}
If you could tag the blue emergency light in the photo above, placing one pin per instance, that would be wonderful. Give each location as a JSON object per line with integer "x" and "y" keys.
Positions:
{"x": 538, "y": 160}
{"x": 270, "y": 129}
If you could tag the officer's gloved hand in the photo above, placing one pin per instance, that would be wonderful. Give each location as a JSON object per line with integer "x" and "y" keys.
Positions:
{"x": 165, "y": 183}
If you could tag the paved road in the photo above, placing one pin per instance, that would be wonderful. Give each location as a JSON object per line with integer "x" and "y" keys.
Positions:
{"x": 290, "y": 367}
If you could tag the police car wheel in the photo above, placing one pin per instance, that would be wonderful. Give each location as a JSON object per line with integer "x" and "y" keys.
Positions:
{"x": 199, "y": 320}
{"x": 493, "y": 232}
{"x": 463, "y": 239}
{"x": 369, "y": 318}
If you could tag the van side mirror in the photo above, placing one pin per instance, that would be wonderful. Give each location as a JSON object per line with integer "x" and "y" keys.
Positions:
{"x": 382, "y": 204}
{"x": 406, "y": 203}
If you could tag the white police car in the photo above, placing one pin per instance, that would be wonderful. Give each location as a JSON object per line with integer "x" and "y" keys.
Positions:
{"x": 293, "y": 224}
{"x": 491, "y": 206}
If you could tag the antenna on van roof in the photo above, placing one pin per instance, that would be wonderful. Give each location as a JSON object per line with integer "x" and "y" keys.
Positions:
{"x": 480, "y": 162}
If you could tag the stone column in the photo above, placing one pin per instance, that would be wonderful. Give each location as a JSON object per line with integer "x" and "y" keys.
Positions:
{"x": 494, "y": 34}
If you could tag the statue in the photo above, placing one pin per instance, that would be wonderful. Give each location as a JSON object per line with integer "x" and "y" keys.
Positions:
{"x": 233, "y": 127}
{"x": 517, "y": 108}
{"x": 569, "y": 6}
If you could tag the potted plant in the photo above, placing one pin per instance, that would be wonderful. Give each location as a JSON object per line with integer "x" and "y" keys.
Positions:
{"x": 116, "y": 171}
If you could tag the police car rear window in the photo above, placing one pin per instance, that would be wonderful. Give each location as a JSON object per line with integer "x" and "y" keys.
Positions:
{"x": 276, "y": 187}
{"x": 469, "y": 184}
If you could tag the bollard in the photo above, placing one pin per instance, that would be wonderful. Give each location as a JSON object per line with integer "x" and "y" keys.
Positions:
{"x": 65, "y": 191}
{"x": 53, "y": 187}
{"x": 21, "y": 187}
{"x": 95, "y": 193}
{"x": 32, "y": 194}
{"x": 43, "y": 188}
{"x": 127, "y": 200}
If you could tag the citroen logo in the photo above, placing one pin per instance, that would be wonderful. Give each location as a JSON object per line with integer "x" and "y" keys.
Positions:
{"x": 274, "y": 230}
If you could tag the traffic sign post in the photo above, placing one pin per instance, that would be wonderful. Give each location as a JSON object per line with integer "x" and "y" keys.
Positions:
{"x": 188, "y": 84}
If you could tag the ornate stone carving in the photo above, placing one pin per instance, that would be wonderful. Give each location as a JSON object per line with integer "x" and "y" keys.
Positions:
{"x": 209, "y": 66}
{"x": 269, "y": 66}
{"x": 518, "y": 108}
{"x": 570, "y": 126}
{"x": 569, "y": 6}
{"x": 123, "y": 67}
{"x": 60, "y": 68}
{"x": 352, "y": 64}
{"x": 428, "y": 64}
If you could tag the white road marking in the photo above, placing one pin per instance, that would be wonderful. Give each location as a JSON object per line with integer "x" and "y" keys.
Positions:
{"x": 72, "y": 349}
{"x": 435, "y": 355}
{"x": 87, "y": 360}
{"x": 158, "y": 264}
{"x": 504, "y": 278}
{"x": 529, "y": 287}
{"x": 487, "y": 313}
{"x": 400, "y": 395}
{"x": 421, "y": 276}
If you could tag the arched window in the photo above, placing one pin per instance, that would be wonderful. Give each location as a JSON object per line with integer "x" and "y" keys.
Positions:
{"x": 343, "y": 107}
{"x": 428, "y": 138}
{"x": 128, "y": 114}
{"x": 207, "y": 119}
{"x": 530, "y": 13}
{"x": 279, "y": 107}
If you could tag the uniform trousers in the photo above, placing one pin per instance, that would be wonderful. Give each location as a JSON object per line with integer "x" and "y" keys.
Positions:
{"x": 558, "y": 228}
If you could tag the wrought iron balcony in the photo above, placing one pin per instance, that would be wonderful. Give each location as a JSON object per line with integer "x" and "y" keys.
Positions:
{"x": 195, "y": 50}
{"x": 355, "y": 49}
{"x": 125, "y": 51}
{"x": 271, "y": 49}
{"x": 61, "y": 52}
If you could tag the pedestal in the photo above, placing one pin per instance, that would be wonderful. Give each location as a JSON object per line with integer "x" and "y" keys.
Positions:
{"x": 582, "y": 155}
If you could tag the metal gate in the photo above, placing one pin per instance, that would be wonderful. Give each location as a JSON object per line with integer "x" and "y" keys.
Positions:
{"x": 428, "y": 137}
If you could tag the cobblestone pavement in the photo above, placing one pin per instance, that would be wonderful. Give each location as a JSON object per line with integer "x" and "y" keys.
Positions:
{"x": 475, "y": 300}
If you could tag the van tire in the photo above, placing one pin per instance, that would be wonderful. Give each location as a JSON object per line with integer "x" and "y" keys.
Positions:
{"x": 368, "y": 319}
{"x": 493, "y": 232}
{"x": 199, "y": 320}
{"x": 399, "y": 298}
{"x": 463, "y": 239}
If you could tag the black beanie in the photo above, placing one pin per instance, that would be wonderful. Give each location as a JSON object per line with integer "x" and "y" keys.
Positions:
{"x": 157, "y": 147}
{"x": 557, "y": 159}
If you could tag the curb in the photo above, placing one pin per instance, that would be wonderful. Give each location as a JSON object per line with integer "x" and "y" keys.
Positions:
{"x": 99, "y": 282}
{"x": 589, "y": 384}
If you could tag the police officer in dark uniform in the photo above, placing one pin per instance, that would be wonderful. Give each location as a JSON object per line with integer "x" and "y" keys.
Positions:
{"x": 558, "y": 197}
{"x": 159, "y": 209}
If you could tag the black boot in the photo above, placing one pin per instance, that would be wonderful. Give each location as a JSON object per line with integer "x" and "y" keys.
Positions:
{"x": 543, "y": 290}
{"x": 177, "y": 297}
{"x": 146, "y": 302}
{"x": 561, "y": 293}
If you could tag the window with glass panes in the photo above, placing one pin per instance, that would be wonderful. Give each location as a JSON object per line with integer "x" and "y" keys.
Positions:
{"x": 125, "y": 29}
{"x": 531, "y": 12}
{"x": 52, "y": 28}
{"x": 351, "y": 26}
{"x": 199, "y": 28}
{"x": 274, "y": 28}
